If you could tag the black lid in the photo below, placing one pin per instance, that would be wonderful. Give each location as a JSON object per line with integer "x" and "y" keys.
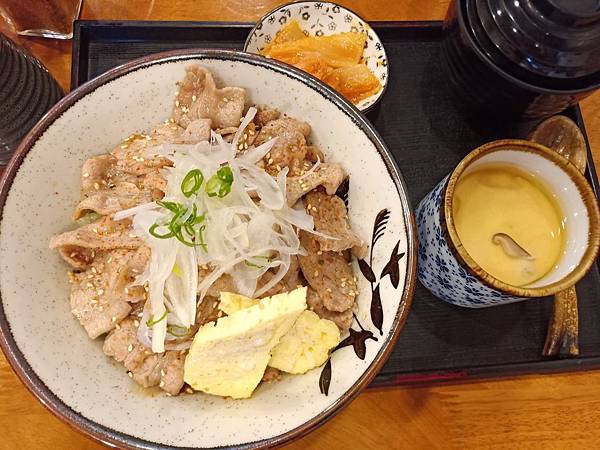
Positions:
{"x": 571, "y": 12}
{"x": 552, "y": 39}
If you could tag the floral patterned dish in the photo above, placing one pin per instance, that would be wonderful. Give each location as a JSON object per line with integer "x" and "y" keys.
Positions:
{"x": 322, "y": 19}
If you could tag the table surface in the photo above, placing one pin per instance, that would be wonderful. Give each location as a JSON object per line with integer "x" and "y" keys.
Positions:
{"x": 549, "y": 411}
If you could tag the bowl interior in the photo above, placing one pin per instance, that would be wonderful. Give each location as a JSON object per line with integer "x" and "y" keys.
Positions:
{"x": 68, "y": 371}
{"x": 323, "y": 19}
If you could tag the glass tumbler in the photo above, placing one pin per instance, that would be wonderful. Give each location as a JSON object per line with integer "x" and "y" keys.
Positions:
{"x": 44, "y": 18}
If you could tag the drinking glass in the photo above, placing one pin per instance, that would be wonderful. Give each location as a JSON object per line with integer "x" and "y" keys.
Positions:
{"x": 45, "y": 18}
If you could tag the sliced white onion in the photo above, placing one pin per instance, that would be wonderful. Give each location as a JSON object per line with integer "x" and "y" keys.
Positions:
{"x": 120, "y": 215}
{"x": 244, "y": 238}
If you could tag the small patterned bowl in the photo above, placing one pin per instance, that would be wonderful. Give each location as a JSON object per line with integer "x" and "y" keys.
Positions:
{"x": 323, "y": 19}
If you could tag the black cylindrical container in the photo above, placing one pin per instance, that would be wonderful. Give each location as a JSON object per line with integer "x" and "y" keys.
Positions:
{"x": 27, "y": 91}
{"x": 522, "y": 59}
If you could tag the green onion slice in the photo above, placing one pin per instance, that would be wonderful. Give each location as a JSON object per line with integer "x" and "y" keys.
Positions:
{"x": 191, "y": 182}
{"x": 219, "y": 185}
{"x": 151, "y": 322}
{"x": 171, "y": 206}
{"x": 154, "y": 233}
{"x": 173, "y": 329}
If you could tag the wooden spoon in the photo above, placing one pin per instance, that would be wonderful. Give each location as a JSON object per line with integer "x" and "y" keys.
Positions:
{"x": 563, "y": 135}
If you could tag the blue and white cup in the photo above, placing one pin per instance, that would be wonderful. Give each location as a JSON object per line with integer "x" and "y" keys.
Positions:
{"x": 449, "y": 272}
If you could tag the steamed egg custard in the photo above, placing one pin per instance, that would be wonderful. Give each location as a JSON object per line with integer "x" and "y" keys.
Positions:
{"x": 509, "y": 222}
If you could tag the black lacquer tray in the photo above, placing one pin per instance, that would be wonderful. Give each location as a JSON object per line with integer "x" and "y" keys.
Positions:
{"x": 428, "y": 137}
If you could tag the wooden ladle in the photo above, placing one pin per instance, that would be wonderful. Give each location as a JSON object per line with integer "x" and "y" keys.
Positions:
{"x": 563, "y": 135}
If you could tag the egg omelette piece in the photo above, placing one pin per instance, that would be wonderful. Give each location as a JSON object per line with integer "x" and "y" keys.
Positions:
{"x": 301, "y": 349}
{"x": 306, "y": 345}
{"x": 230, "y": 303}
{"x": 229, "y": 358}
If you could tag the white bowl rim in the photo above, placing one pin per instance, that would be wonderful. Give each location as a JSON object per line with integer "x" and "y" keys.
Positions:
{"x": 113, "y": 438}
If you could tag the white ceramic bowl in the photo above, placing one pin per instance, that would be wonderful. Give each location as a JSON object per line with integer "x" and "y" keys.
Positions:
{"x": 323, "y": 19}
{"x": 68, "y": 372}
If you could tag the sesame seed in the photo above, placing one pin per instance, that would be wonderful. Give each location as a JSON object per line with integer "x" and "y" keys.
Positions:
{"x": 314, "y": 208}
{"x": 220, "y": 314}
{"x": 270, "y": 161}
{"x": 146, "y": 288}
{"x": 189, "y": 390}
{"x": 240, "y": 147}
{"x": 100, "y": 308}
{"x": 96, "y": 186}
{"x": 100, "y": 291}
{"x": 72, "y": 255}
{"x": 245, "y": 146}
{"x": 94, "y": 270}
{"x": 251, "y": 131}
{"x": 95, "y": 230}
{"x": 319, "y": 253}
{"x": 113, "y": 319}
{"x": 161, "y": 384}
{"x": 328, "y": 289}
{"x": 117, "y": 326}
{"x": 176, "y": 102}
{"x": 127, "y": 290}
{"x": 109, "y": 260}
{"x": 194, "y": 98}
{"x": 130, "y": 348}
{"x": 140, "y": 314}
{"x": 162, "y": 373}
{"x": 205, "y": 266}
{"x": 129, "y": 374}
{"x": 90, "y": 276}
{"x": 136, "y": 323}
{"x": 343, "y": 285}
{"x": 90, "y": 285}
{"x": 85, "y": 175}
{"x": 124, "y": 145}
{"x": 131, "y": 235}
{"x": 316, "y": 273}
{"x": 245, "y": 136}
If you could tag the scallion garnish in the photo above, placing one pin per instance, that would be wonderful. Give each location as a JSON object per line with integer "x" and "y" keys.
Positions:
{"x": 151, "y": 322}
{"x": 154, "y": 233}
{"x": 191, "y": 182}
{"x": 172, "y": 329}
{"x": 219, "y": 185}
{"x": 193, "y": 237}
{"x": 251, "y": 264}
